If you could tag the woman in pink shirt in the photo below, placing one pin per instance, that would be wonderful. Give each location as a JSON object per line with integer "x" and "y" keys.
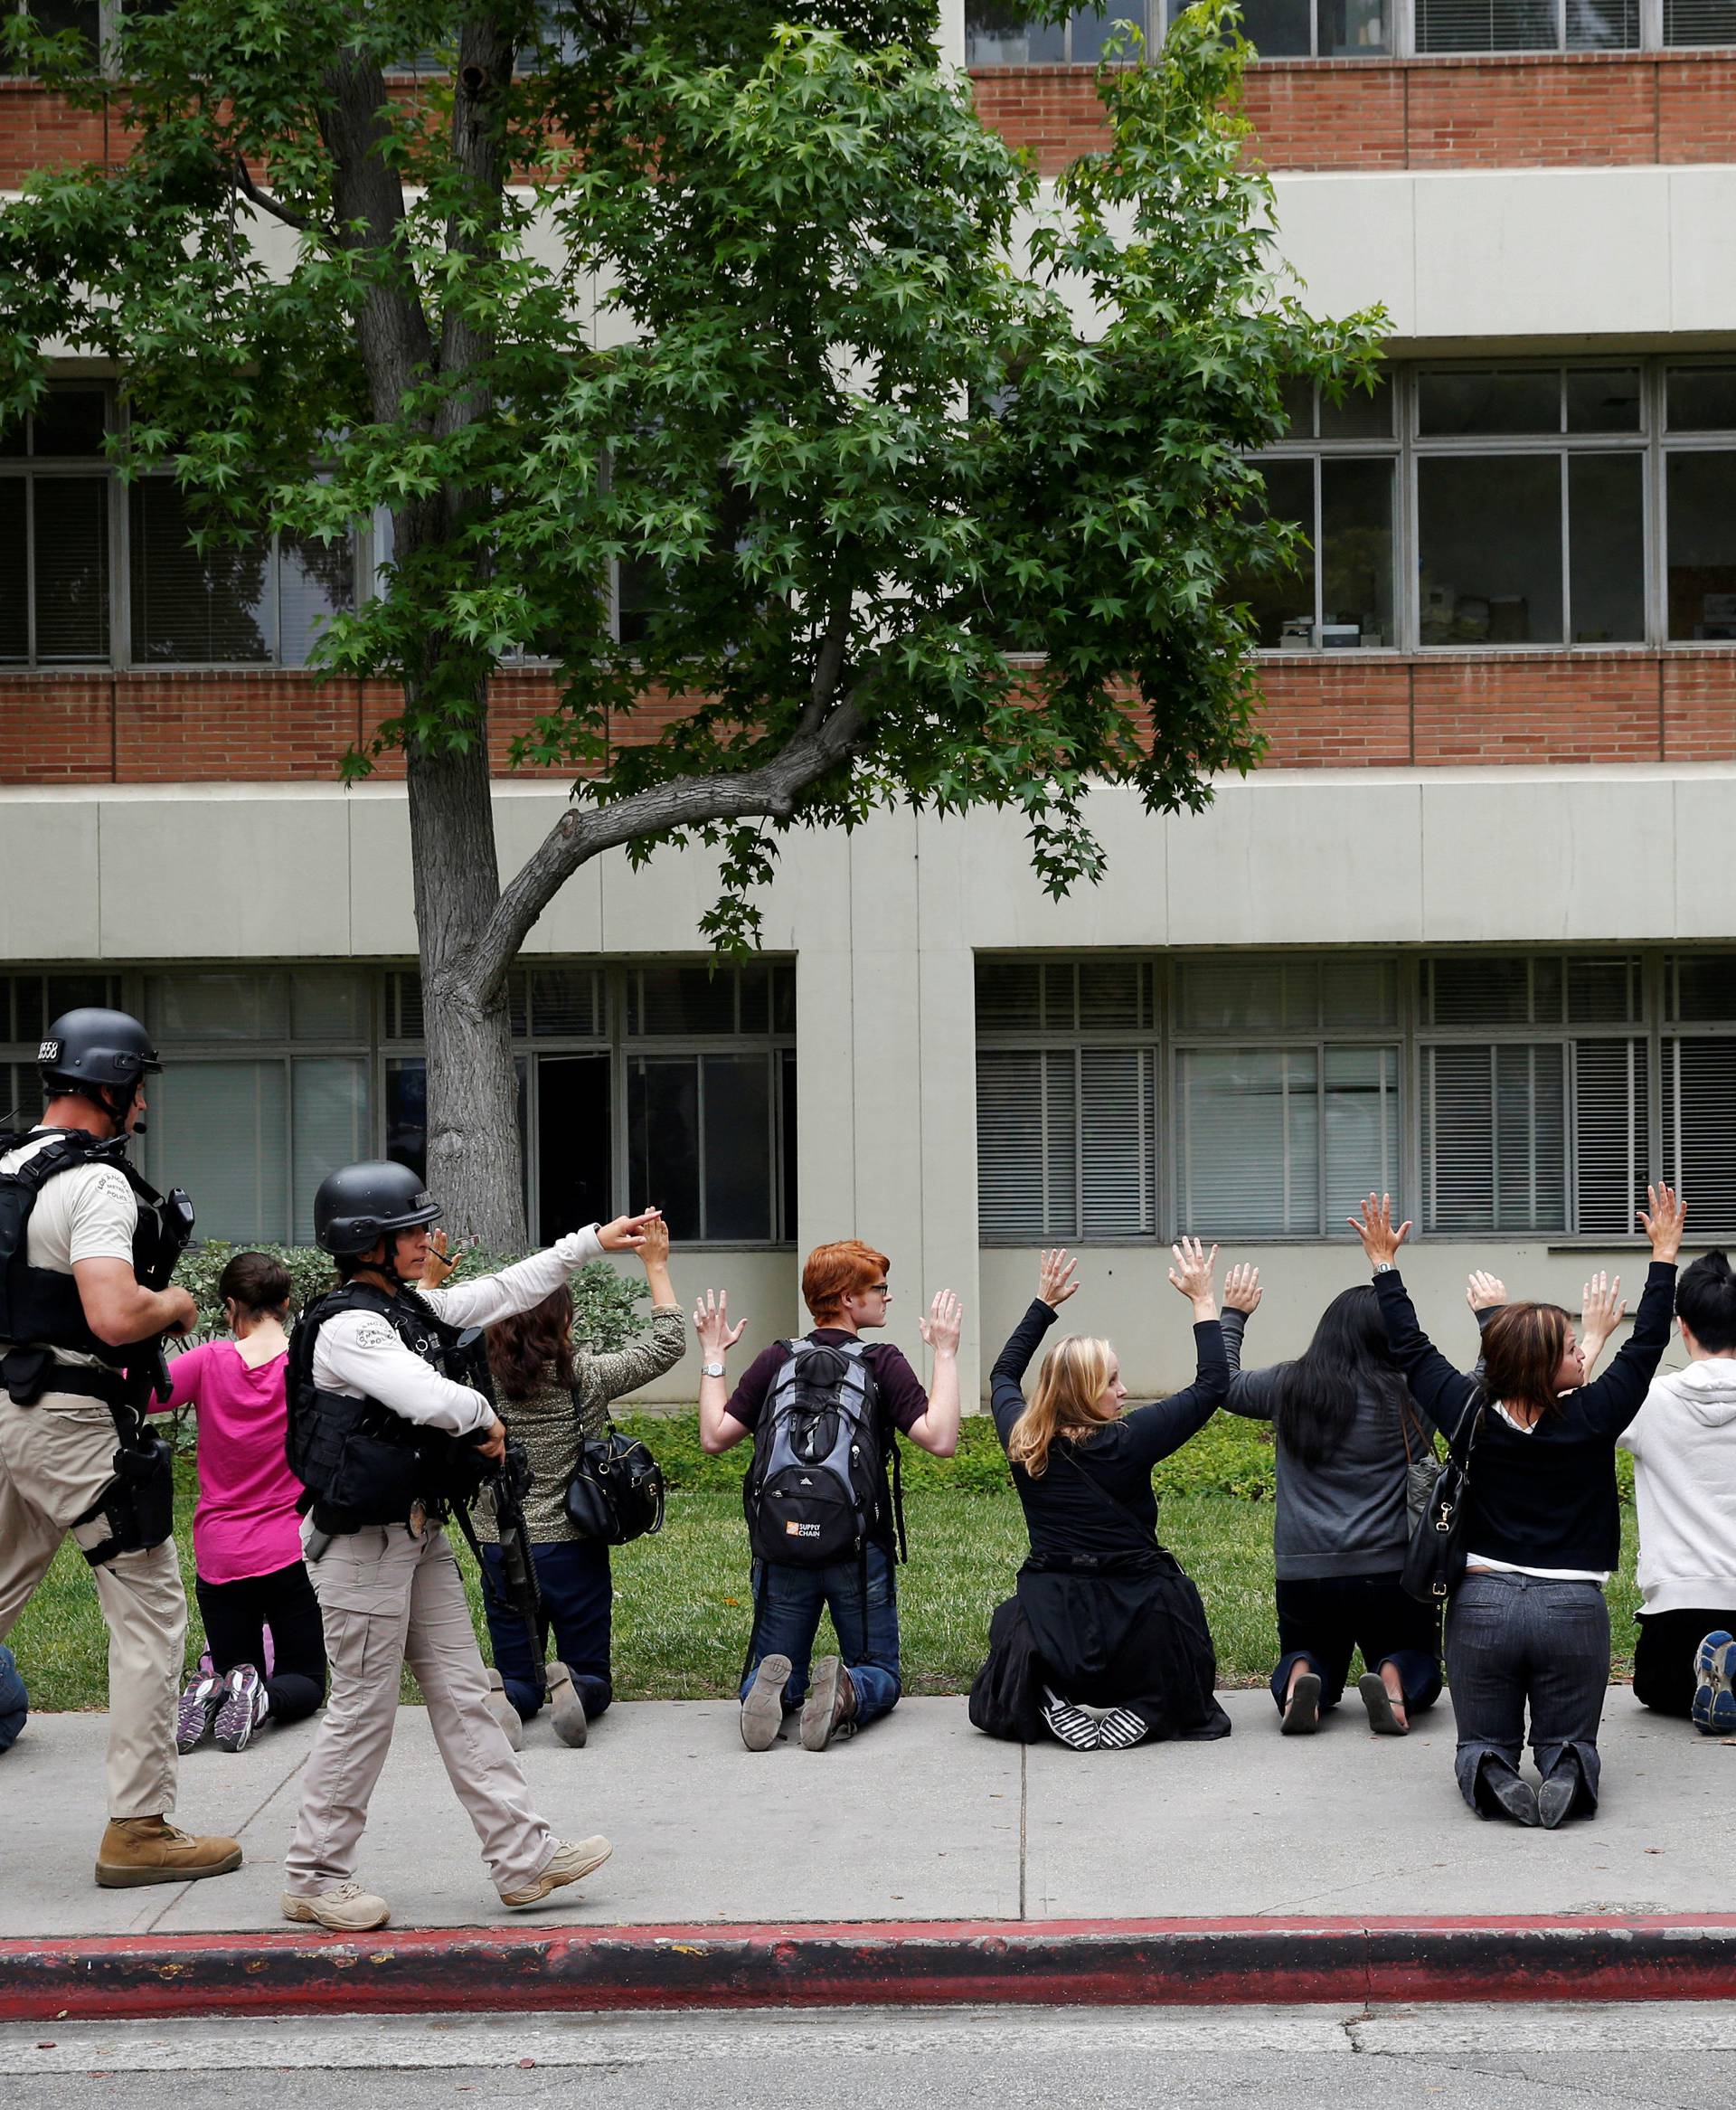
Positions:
{"x": 246, "y": 1532}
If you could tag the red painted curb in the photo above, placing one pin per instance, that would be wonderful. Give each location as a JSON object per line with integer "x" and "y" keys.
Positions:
{"x": 1109, "y": 1963}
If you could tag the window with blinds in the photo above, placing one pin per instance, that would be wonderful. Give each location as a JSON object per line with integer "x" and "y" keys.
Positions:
{"x": 1548, "y": 1090}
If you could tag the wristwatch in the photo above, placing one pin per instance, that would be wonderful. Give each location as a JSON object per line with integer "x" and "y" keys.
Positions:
{"x": 711, "y": 1369}
{"x": 1383, "y": 1267}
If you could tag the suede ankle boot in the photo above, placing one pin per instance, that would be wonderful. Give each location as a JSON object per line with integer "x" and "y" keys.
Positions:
{"x": 150, "y": 1849}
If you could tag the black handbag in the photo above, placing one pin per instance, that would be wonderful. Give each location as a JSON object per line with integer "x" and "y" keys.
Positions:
{"x": 1434, "y": 1562}
{"x": 615, "y": 1491}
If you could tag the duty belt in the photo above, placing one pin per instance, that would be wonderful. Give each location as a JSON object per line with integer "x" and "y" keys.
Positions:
{"x": 34, "y": 1371}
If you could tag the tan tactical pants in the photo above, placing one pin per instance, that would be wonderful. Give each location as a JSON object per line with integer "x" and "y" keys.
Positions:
{"x": 388, "y": 1599}
{"x": 55, "y": 1459}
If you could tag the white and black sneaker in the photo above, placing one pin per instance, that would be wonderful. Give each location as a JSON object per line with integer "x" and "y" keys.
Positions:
{"x": 245, "y": 1706}
{"x": 1118, "y": 1729}
{"x": 1068, "y": 1724}
{"x": 197, "y": 1710}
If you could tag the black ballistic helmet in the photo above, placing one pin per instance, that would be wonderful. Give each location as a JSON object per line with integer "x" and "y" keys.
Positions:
{"x": 93, "y": 1047}
{"x": 357, "y": 1203}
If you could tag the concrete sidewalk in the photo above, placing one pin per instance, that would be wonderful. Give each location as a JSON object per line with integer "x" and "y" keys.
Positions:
{"x": 920, "y": 1819}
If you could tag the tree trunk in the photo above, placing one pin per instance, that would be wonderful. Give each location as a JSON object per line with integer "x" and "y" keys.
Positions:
{"x": 474, "y": 1164}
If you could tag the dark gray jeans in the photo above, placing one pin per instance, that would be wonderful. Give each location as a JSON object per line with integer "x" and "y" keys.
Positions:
{"x": 1512, "y": 1640}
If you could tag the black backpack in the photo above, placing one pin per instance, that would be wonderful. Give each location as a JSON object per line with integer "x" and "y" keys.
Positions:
{"x": 813, "y": 1493}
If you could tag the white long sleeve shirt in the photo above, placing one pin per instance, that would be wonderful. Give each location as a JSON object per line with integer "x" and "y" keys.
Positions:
{"x": 358, "y": 1355}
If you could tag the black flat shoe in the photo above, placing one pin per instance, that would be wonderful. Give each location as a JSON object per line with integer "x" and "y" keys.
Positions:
{"x": 1381, "y": 1717}
{"x": 1558, "y": 1794}
{"x": 1517, "y": 1797}
{"x": 1302, "y": 1709}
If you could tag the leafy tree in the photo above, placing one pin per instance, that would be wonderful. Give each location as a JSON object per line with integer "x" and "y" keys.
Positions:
{"x": 743, "y": 303}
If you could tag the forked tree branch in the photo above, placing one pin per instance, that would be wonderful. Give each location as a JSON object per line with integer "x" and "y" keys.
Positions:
{"x": 266, "y": 202}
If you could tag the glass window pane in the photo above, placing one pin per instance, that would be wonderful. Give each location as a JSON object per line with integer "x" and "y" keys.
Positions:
{"x": 330, "y": 1127}
{"x": 71, "y": 992}
{"x": 1119, "y": 1142}
{"x": 1060, "y": 996}
{"x": 1703, "y": 987}
{"x": 1250, "y": 1141}
{"x": 83, "y": 17}
{"x": 738, "y": 1147}
{"x": 1502, "y": 400}
{"x": 754, "y": 983}
{"x": 1699, "y": 22}
{"x": 1364, "y": 1138}
{"x": 1003, "y": 36}
{"x": 1358, "y": 992}
{"x": 1281, "y": 603}
{"x": 663, "y": 1141}
{"x": 685, "y": 999}
{"x": 1113, "y": 993}
{"x": 1093, "y": 27}
{"x": 187, "y": 609}
{"x": 1357, "y": 554}
{"x": 1603, "y": 399}
{"x": 71, "y": 567}
{"x": 1297, "y": 398}
{"x": 1494, "y": 989}
{"x": 328, "y": 1003}
{"x": 1702, "y": 545}
{"x": 1361, "y": 415}
{"x": 1602, "y": 25}
{"x": 1699, "y": 1080}
{"x": 1016, "y": 1198}
{"x": 1606, "y": 529}
{"x": 217, "y": 1130}
{"x": 1008, "y": 996}
{"x": 566, "y": 1002}
{"x": 1220, "y": 993}
{"x": 407, "y": 1113}
{"x": 215, "y": 1006}
{"x": 1487, "y": 25}
{"x": 1354, "y": 29}
{"x": 1278, "y": 29}
{"x": 575, "y": 1163}
{"x": 1495, "y": 1138}
{"x": 1701, "y": 399}
{"x": 1489, "y": 549}
{"x": 783, "y": 996}
{"x": 70, "y": 422}
{"x": 1602, "y": 992}
{"x": 15, "y": 437}
{"x": 14, "y": 611}
{"x": 315, "y": 580}
{"x": 1611, "y": 1145}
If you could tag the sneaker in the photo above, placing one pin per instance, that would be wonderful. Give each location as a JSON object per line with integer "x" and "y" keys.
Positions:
{"x": 246, "y": 1704}
{"x": 1068, "y": 1724}
{"x": 830, "y": 1709}
{"x": 137, "y": 1851}
{"x": 1301, "y": 1716}
{"x": 347, "y": 1910}
{"x": 574, "y": 1859}
{"x": 1120, "y": 1729}
{"x": 566, "y": 1709}
{"x": 504, "y": 1711}
{"x": 197, "y": 1711}
{"x": 1714, "y": 1691}
{"x": 762, "y": 1711}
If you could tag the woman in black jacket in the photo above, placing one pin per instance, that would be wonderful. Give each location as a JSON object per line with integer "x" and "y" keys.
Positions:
{"x": 1105, "y": 1644}
{"x": 1542, "y": 1525}
{"x": 1345, "y": 1429}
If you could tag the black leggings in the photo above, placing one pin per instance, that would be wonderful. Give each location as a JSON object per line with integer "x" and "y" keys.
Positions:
{"x": 235, "y": 1615}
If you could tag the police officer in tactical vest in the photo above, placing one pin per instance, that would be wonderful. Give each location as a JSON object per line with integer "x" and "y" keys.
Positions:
{"x": 390, "y": 1425}
{"x": 86, "y": 1251}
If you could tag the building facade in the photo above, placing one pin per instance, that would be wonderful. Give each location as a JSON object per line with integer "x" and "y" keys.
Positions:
{"x": 1470, "y": 935}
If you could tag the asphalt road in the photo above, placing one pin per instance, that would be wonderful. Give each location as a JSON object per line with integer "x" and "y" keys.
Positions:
{"x": 1159, "y": 2058}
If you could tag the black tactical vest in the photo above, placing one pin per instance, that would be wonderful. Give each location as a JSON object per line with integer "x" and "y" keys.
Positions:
{"x": 39, "y": 1306}
{"x": 361, "y": 1464}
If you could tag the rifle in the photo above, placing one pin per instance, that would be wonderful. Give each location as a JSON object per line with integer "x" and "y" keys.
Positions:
{"x": 146, "y": 1370}
{"x": 508, "y": 1484}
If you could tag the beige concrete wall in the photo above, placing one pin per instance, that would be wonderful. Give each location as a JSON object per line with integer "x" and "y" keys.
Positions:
{"x": 760, "y": 1290}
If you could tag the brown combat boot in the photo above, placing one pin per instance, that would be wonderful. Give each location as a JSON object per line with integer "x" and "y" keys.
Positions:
{"x": 150, "y": 1850}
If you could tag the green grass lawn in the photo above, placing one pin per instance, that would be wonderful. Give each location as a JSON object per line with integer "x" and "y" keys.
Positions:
{"x": 682, "y": 1604}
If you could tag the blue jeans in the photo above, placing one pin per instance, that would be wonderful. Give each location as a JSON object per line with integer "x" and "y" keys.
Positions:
{"x": 578, "y": 1600}
{"x": 1514, "y": 1639}
{"x": 788, "y": 1604}
{"x": 13, "y": 1707}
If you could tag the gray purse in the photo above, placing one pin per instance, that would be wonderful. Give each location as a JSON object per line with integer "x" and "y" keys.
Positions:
{"x": 1420, "y": 1473}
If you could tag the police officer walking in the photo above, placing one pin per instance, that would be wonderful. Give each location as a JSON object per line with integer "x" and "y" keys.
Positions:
{"x": 79, "y": 1229}
{"x": 386, "y": 1434}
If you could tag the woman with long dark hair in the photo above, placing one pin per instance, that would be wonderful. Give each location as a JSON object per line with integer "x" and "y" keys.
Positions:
{"x": 1345, "y": 1428}
{"x": 552, "y": 1392}
{"x": 1105, "y": 1643}
{"x": 1526, "y": 1624}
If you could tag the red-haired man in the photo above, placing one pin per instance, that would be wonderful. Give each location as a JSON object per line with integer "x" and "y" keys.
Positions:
{"x": 820, "y": 1510}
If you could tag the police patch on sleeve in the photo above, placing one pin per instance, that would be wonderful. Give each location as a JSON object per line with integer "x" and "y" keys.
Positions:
{"x": 374, "y": 1333}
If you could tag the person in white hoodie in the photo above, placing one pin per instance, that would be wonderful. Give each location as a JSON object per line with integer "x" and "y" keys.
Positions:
{"x": 1683, "y": 1446}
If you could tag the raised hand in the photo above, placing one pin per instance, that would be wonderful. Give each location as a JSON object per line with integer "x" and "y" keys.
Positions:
{"x": 1191, "y": 1273}
{"x": 653, "y": 1247}
{"x": 711, "y": 1324}
{"x": 944, "y": 1323}
{"x": 626, "y": 1233}
{"x": 1055, "y": 1281}
{"x": 1241, "y": 1289}
{"x": 1663, "y": 1221}
{"x": 1601, "y": 1309}
{"x": 1485, "y": 1290}
{"x": 437, "y": 1261}
{"x": 1374, "y": 1228}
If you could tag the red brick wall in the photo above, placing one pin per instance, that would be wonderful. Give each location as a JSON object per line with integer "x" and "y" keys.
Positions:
{"x": 1331, "y": 711}
{"x": 1591, "y": 109}
{"x": 1436, "y": 710}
